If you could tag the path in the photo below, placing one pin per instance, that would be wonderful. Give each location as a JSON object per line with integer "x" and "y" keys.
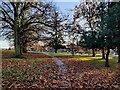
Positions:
{"x": 61, "y": 70}
{"x": 61, "y": 66}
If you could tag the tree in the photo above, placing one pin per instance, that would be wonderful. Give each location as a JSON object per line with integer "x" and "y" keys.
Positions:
{"x": 10, "y": 19}
{"x": 103, "y": 18}
{"x": 114, "y": 25}
{"x": 108, "y": 29}
{"x": 73, "y": 30}
{"x": 54, "y": 34}
{"x": 12, "y": 16}
{"x": 88, "y": 12}
{"x": 100, "y": 15}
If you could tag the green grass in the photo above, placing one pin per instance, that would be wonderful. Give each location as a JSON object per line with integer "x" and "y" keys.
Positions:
{"x": 78, "y": 56}
{"x": 84, "y": 57}
{"x": 8, "y": 50}
{"x": 59, "y": 54}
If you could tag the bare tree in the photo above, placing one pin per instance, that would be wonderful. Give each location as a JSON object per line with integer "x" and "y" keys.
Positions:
{"x": 13, "y": 23}
{"x": 54, "y": 35}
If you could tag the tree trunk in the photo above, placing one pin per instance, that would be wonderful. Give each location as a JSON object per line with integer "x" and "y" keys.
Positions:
{"x": 118, "y": 49}
{"x": 72, "y": 52}
{"x": 24, "y": 49}
{"x": 107, "y": 58}
{"x": 93, "y": 52}
{"x": 16, "y": 35}
{"x": 90, "y": 24}
{"x": 17, "y": 44}
{"x": 21, "y": 50}
{"x": 103, "y": 53}
{"x": 56, "y": 50}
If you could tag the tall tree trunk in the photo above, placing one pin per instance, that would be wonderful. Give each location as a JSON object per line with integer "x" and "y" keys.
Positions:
{"x": 107, "y": 58}
{"x": 118, "y": 49}
{"x": 16, "y": 34}
{"x": 17, "y": 44}
{"x": 93, "y": 52}
{"x": 103, "y": 53}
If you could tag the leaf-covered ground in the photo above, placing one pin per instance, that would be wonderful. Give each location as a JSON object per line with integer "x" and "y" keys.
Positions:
{"x": 36, "y": 70}
{"x": 33, "y": 71}
{"x": 88, "y": 72}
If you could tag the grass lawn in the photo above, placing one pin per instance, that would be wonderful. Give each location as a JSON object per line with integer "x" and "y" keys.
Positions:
{"x": 83, "y": 57}
{"x": 37, "y": 70}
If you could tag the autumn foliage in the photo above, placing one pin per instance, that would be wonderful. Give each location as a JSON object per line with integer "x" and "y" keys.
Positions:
{"x": 38, "y": 71}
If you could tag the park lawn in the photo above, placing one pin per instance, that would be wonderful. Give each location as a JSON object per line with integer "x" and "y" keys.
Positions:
{"x": 37, "y": 70}
{"x": 97, "y": 60}
{"x": 84, "y": 57}
{"x": 90, "y": 71}
{"x": 31, "y": 71}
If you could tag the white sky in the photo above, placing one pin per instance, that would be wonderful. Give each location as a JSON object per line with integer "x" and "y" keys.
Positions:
{"x": 4, "y": 44}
